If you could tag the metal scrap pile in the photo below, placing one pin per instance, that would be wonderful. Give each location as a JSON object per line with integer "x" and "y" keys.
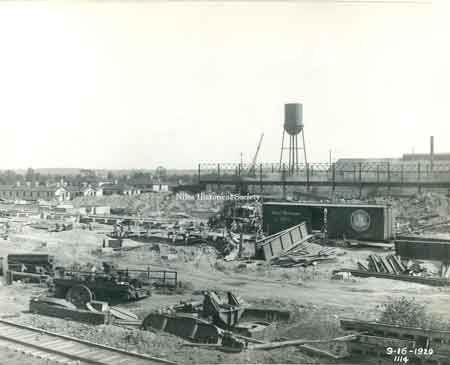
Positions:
{"x": 306, "y": 254}
{"x": 238, "y": 218}
{"x": 392, "y": 267}
{"x": 209, "y": 321}
{"x": 422, "y": 212}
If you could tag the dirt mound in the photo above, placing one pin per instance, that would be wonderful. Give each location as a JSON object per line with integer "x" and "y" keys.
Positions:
{"x": 150, "y": 204}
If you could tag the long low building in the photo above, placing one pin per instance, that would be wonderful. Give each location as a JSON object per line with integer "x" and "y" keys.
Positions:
{"x": 39, "y": 192}
{"x": 27, "y": 192}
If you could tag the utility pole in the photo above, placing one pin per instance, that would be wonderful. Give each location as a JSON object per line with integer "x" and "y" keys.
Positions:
{"x": 330, "y": 157}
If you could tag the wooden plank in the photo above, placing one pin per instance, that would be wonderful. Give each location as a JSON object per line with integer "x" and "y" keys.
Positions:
{"x": 318, "y": 352}
{"x": 278, "y": 344}
{"x": 447, "y": 272}
{"x": 362, "y": 267}
{"x": 392, "y": 265}
{"x": 395, "y": 263}
{"x": 386, "y": 266}
{"x": 384, "y": 246}
{"x": 399, "y": 263}
{"x": 374, "y": 263}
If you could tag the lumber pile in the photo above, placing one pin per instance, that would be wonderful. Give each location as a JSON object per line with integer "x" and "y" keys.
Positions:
{"x": 393, "y": 265}
{"x": 305, "y": 254}
{"x": 390, "y": 264}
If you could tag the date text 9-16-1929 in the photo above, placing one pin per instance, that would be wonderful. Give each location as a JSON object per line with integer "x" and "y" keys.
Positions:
{"x": 417, "y": 351}
{"x": 400, "y": 354}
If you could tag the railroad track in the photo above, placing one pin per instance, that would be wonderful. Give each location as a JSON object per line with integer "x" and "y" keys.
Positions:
{"x": 67, "y": 350}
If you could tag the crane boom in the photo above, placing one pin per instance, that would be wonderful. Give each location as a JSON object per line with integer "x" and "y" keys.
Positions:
{"x": 255, "y": 157}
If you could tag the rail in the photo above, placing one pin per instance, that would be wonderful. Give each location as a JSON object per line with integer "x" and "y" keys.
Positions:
{"x": 66, "y": 349}
{"x": 339, "y": 173}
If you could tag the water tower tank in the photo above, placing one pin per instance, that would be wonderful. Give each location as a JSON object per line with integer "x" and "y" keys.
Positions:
{"x": 293, "y": 118}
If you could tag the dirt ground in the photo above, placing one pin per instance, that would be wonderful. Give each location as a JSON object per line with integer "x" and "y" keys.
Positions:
{"x": 317, "y": 301}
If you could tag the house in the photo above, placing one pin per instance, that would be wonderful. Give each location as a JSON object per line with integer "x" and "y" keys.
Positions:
{"x": 131, "y": 190}
{"x": 89, "y": 191}
{"x": 67, "y": 192}
{"x": 95, "y": 209}
{"x": 92, "y": 191}
{"x": 160, "y": 188}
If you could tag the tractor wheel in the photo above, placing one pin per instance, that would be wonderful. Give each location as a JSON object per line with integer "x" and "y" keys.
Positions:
{"x": 79, "y": 295}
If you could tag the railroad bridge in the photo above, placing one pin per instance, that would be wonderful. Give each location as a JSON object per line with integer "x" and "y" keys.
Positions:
{"x": 423, "y": 174}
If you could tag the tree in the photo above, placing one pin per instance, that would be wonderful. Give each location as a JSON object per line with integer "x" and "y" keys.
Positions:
{"x": 9, "y": 177}
{"x": 409, "y": 313}
{"x": 29, "y": 175}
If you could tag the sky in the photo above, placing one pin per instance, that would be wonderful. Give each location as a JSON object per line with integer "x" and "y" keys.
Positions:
{"x": 140, "y": 84}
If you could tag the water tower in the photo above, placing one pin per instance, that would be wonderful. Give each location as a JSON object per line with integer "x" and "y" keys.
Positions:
{"x": 293, "y": 126}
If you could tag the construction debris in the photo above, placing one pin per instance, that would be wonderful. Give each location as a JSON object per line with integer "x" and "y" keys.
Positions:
{"x": 183, "y": 242}
{"x": 393, "y": 267}
{"x": 413, "y": 279}
{"x": 52, "y": 226}
{"x": 279, "y": 243}
{"x": 421, "y": 212}
{"x": 211, "y": 321}
{"x": 305, "y": 254}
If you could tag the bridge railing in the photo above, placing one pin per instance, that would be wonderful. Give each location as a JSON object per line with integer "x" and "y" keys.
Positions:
{"x": 357, "y": 172}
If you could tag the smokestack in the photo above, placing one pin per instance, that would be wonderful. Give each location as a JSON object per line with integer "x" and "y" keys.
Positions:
{"x": 431, "y": 151}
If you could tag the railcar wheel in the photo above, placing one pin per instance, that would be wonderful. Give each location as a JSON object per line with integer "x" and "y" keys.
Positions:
{"x": 79, "y": 295}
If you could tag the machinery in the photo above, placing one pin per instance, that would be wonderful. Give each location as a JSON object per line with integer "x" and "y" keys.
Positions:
{"x": 208, "y": 321}
{"x": 81, "y": 287}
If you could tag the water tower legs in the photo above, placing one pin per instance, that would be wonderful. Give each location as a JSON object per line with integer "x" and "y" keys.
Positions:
{"x": 293, "y": 161}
